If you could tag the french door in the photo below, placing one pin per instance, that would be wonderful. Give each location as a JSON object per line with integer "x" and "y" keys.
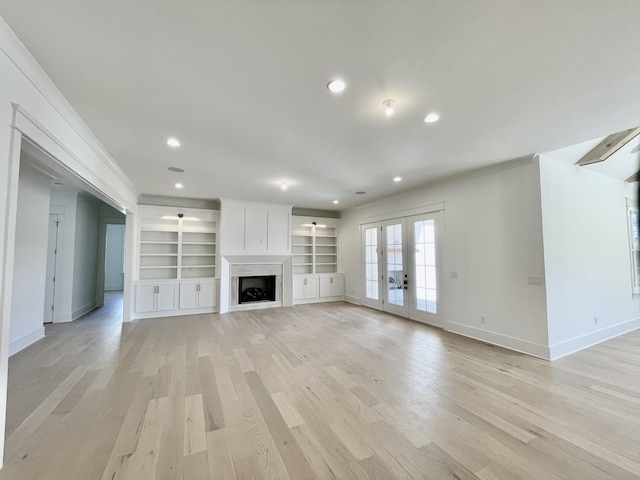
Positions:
{"x": 425, "y": 246}
{"x": 394, "y": 267}
{"x": 402, "y": 266}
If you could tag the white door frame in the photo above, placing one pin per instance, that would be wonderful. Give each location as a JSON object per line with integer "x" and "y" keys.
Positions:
{"x": 52, "y": 267}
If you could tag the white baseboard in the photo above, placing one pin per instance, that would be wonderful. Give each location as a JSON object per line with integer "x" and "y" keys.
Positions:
{"x": 562, "y": 349}
{"x": 519, "y": 345}
{"x": 352, "y": 299}
{"x": 62, "y": 317}
{"x": 26, "y": 340}
{"x": 84, "y": 309}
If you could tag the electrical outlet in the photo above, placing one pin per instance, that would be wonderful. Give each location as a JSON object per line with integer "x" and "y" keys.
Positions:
{"x": 537, "y": 281}
{"x": 483, "y": 319}
{"x": 453, "y": 274}
{"x": 595, "y": 320}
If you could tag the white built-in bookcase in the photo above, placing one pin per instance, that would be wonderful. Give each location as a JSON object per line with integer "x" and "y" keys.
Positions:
{"x": 314, "y": 247}
{"x": 178, "y": 245}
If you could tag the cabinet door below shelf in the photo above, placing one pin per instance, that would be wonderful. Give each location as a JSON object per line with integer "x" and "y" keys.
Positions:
{"x": 311, "y": 288}
{"x": 145, "y": 298}
{"x": 167, "y": 297}
{"x": 332, "y": 286}
{"x": 207, "y": 294}
{"x": 188, "y": 295}
{"x": 305, "y": 287}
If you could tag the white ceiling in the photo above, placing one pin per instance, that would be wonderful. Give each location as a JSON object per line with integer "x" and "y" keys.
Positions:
{"x": 242, "y": 84}
{"x": 620, "y": 165}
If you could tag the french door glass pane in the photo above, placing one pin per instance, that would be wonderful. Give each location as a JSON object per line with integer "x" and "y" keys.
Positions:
{"x": 425, "y": 266}
{"x": 371, "y": 262}
{"x": 395, "y": 269}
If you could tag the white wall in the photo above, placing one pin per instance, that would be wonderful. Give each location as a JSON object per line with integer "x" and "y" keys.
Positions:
{"x": 85, "y": 263}
{"x": 493, "y": 240}
{"x": 114, "y": 257}
{"x": 587, "y": 258}
{"x": 30, "y": 259}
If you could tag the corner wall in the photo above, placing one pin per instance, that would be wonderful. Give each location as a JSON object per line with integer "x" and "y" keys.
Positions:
{"x": 492, "y": 240}
{"x": 587, "y": 257}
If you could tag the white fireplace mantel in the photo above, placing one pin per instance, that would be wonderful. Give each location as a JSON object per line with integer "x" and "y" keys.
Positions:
{"x": 227, "y": 278}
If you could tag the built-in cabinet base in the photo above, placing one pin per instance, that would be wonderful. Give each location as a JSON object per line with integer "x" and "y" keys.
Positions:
{"x": 322, "y": 287}
{"x": 167, "y": 298}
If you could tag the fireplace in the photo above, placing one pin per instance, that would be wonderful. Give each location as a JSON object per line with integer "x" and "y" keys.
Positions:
{"x": 259, "y": 288}
{"x": 255, "y": 285}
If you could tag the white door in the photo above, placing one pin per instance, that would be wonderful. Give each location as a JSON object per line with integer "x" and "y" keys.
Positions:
{"x": 166, "y": 297}
{"x": 311, "y": 288}
{"x": 188, "y": 295}
{"x": 52, "y": 252}
{"x": 425, "y": 246}
{"x": 395, "y": 276}
{"x": 207, "y": 294}
{"x": 146, "y": 297}
{"x": 298, "y": 287}
{"x": 371, "y": 258}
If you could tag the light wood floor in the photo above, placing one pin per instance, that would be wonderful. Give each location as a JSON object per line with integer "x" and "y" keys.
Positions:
{"x": 317, "y": 391}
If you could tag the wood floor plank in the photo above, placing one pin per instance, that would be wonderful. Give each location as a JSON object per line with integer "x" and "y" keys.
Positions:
{"x": 219, "y": 456}
{"x": 293, "y": 458}
{"x": 350, "y": 439}
{"x": 289, "y": 413}
{"x": 143, "y": 463}
{"x": 195, "y": 439}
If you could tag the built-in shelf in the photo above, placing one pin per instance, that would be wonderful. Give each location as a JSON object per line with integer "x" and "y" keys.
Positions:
{"x": 314, "y": 249}
{"x": 176, "y": 248}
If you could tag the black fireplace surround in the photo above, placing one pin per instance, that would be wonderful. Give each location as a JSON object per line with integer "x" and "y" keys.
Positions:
{"x": 254, "y": 289}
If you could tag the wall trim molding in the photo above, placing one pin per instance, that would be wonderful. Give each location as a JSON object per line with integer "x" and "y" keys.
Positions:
{"x": 24, "y": 341}
{"x": 352, "y": 299}
{"x": 62, "y": 317}
{"x": 505, "y": 341}
{"x": 562, "y": 349}
{"x": 83, "y": 310}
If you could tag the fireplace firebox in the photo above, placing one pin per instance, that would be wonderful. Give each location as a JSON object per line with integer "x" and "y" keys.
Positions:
{"x": 254, "y": 289}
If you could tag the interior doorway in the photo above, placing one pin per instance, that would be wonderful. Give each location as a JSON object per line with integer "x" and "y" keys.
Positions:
{"x": 114, "y": 258}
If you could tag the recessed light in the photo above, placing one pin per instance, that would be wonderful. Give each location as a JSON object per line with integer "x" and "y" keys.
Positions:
{"x": 179, "y": 185}
{"x": 335, "y": 202}
{"x": 360, "y": 192}
{"x": 173, "y": 142}
{"x": 389, "y": 106}
{"x": 397, "y": 179}
{"x": 176, "y": 169}
{"x": 432, "y": 117}
{"x": 283, "y": 185}
{"x": 336, "y": 86}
